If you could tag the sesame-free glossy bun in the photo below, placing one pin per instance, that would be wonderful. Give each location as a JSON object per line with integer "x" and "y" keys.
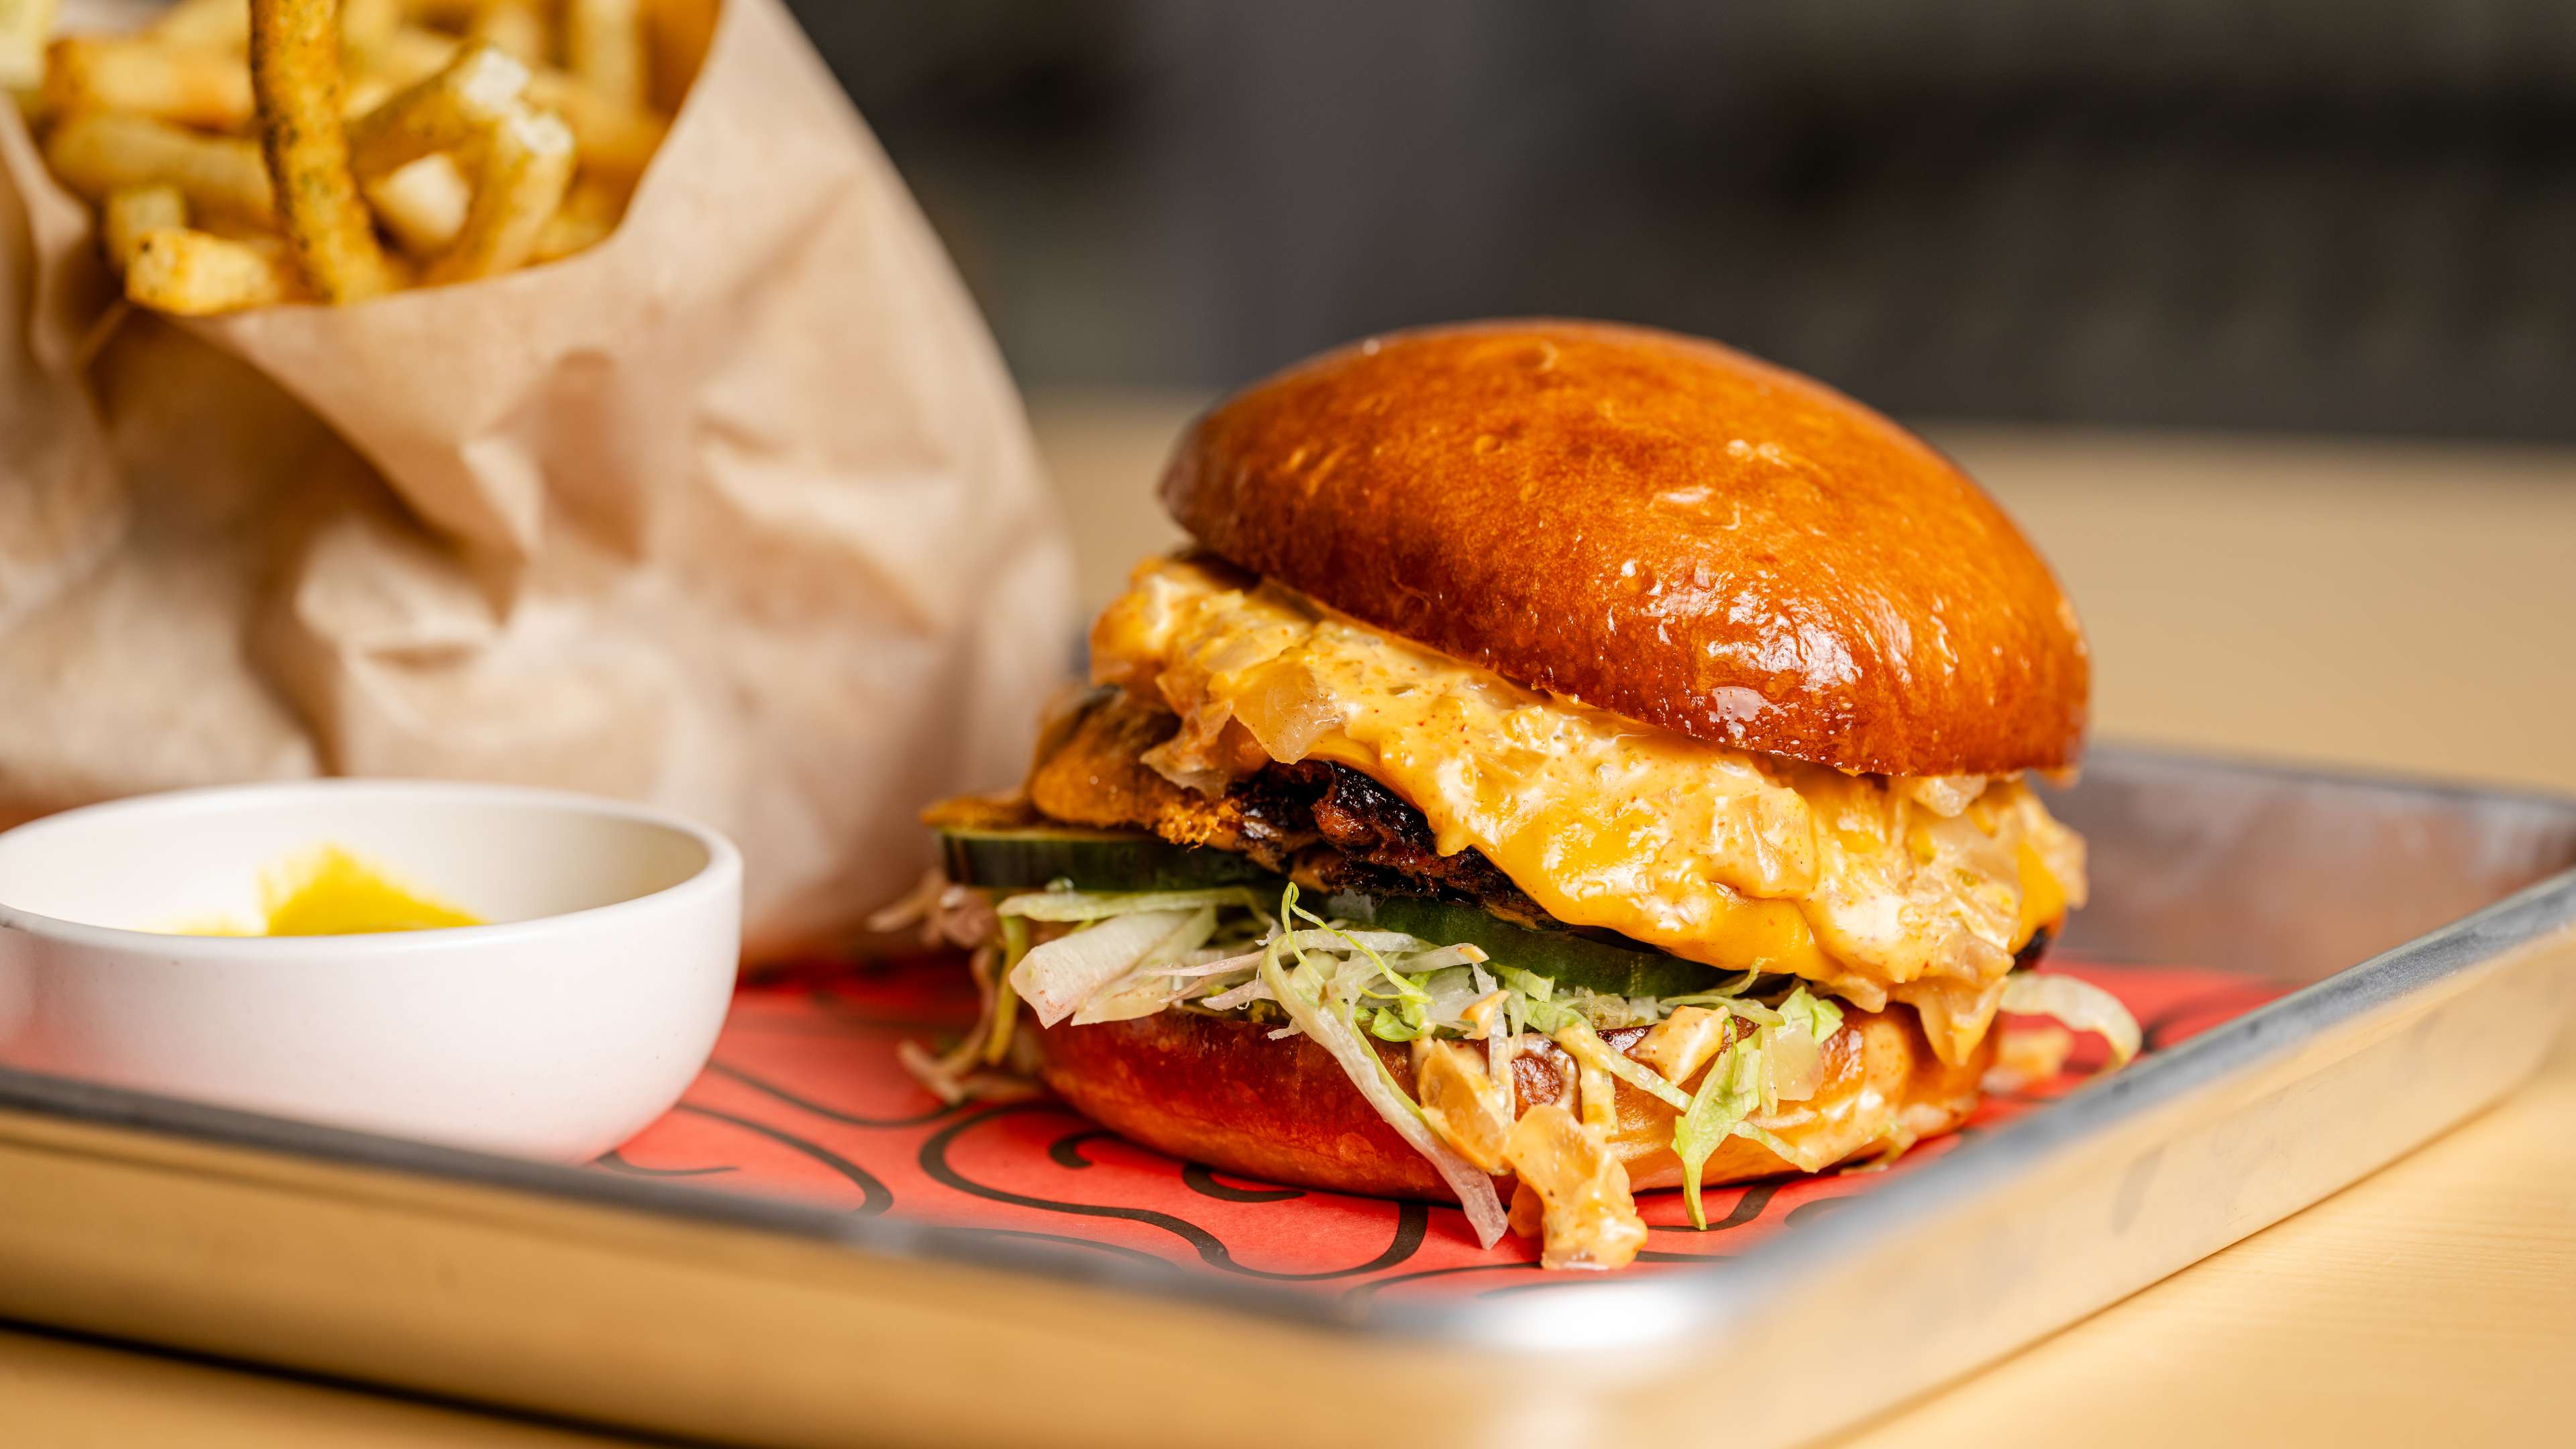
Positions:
{"x": 1658, "y": 526}
{"x": 1218, "y": 1091}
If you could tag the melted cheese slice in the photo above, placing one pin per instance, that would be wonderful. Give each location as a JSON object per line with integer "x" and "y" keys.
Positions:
{"x": 1879, "y": 889}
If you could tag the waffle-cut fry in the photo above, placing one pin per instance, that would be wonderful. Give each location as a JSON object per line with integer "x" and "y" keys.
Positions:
{"x": 295, "y": 71}
{"x": 24, "y": 24}
{"x": 604, "y": 46}
{"x": 516, "y": 26}
{"x": 590, "y": 211}
{"x": 423, "y": 203}
{"x": 680, "y": 31}
{"x": 616, "y": 140}
{"x": 222, "y": 25}
{"x": 135, "y": 210}
{"x": 118, "y": 73}
{"x": 526, "y": 166}
{"x": 195, "y": 274}
{"x": 102, "y": 152}
{"x": 451, "y": 110}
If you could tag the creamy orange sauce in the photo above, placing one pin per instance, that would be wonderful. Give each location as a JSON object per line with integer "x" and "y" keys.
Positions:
{"x": 1910, "y": 890}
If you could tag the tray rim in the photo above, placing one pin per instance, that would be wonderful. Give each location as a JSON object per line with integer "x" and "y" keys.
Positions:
{"x": 1582, "y": 1314}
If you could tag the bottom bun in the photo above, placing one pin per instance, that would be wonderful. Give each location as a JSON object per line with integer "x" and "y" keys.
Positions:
{"x": 1219, "y": 1091}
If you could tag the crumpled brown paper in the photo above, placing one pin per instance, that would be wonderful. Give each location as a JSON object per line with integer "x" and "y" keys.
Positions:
{"x": 736, "y": 513}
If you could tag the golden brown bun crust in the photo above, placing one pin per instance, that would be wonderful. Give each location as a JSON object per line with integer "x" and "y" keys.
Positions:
{"x": 1658, "y": 526}
{"x": 1218, "y": 1091}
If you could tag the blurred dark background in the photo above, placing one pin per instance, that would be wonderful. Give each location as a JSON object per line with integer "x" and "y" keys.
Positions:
{"x": 2347, "y": 215}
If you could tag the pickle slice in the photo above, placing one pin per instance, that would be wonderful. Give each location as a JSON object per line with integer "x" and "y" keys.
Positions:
{"x": 1563, "y": 955}
{"x": 1094, "y": 860}
{"x": 1011, "y": 857}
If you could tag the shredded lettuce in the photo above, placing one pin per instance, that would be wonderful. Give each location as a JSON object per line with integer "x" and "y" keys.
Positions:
{"x": 1003, "y": 1014}
{"x": 1781, "y": 1058}
{"x": 1813, "y": 1014}
{"x": 2077, "y": 1003}
{"x": 1727, "y": 1095}
{"x": 1304, "y": 993}
{"x": 1057, "y": 978}
{"x": 1241, "y": 995}
{"x": 1068, "y": 905}
{"x": 1145, "y": 988}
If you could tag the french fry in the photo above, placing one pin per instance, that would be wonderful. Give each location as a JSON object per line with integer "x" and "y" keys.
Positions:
{"x": 450, "y": 110}
{"x": 118, "y": 73}
{"x": 617, "y": 140}
{"x": 604, "y": 46}
{"x": 219, "y": 25}
{"x": 366, "y": 91}
{"x": 680, "y": 31}
{"x": 24, "y": 24}
{"x": 526, "y": 166}
{"x": 590, "y": 211}
{"x": 135, "y": 210}
{"x": 517, "y": 26}
{"x": 100, "y": 152}
{"x": 295, "y": 72}
{"x": 367, "y": 27}
{"x": 131, "y": 212}
{"x": 218, "y": 224}
{"x": 194, "y": 274}
{"x": 414, "y": 52}
{"x": 423, "y": 204}
{"x": 445, "y": 14}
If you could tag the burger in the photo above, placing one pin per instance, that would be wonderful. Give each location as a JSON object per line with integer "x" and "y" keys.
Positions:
{"x": 1570, "y": 760}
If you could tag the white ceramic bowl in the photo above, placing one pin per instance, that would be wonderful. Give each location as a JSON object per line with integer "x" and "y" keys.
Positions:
{"x": 557, "y": 1031}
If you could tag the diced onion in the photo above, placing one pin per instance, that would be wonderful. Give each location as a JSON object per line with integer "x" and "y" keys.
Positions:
{"x": 1795, "y": 1066}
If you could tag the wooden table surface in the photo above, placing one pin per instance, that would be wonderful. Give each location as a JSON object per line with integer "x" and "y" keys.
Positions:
{"x": 2406, "y": 606}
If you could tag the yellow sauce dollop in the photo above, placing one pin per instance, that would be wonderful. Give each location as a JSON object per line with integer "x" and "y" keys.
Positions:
{"x": 330, "y": 892}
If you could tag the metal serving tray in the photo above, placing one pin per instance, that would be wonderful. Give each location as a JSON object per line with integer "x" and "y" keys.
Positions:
{"x": 658, "y": 1307}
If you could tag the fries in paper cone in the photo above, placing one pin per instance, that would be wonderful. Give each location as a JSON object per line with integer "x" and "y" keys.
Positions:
{"x": 671, "y": 462}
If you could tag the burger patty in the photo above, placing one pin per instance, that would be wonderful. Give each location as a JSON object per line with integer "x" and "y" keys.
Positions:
{"x": 1368, "y": 839}
{"x": 1324, "y": 825}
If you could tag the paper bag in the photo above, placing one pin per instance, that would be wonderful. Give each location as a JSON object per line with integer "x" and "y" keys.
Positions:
{"x": 735, "y": 513}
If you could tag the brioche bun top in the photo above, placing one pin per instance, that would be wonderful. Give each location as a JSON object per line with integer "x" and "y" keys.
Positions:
{"x": 1657, "y": 526}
